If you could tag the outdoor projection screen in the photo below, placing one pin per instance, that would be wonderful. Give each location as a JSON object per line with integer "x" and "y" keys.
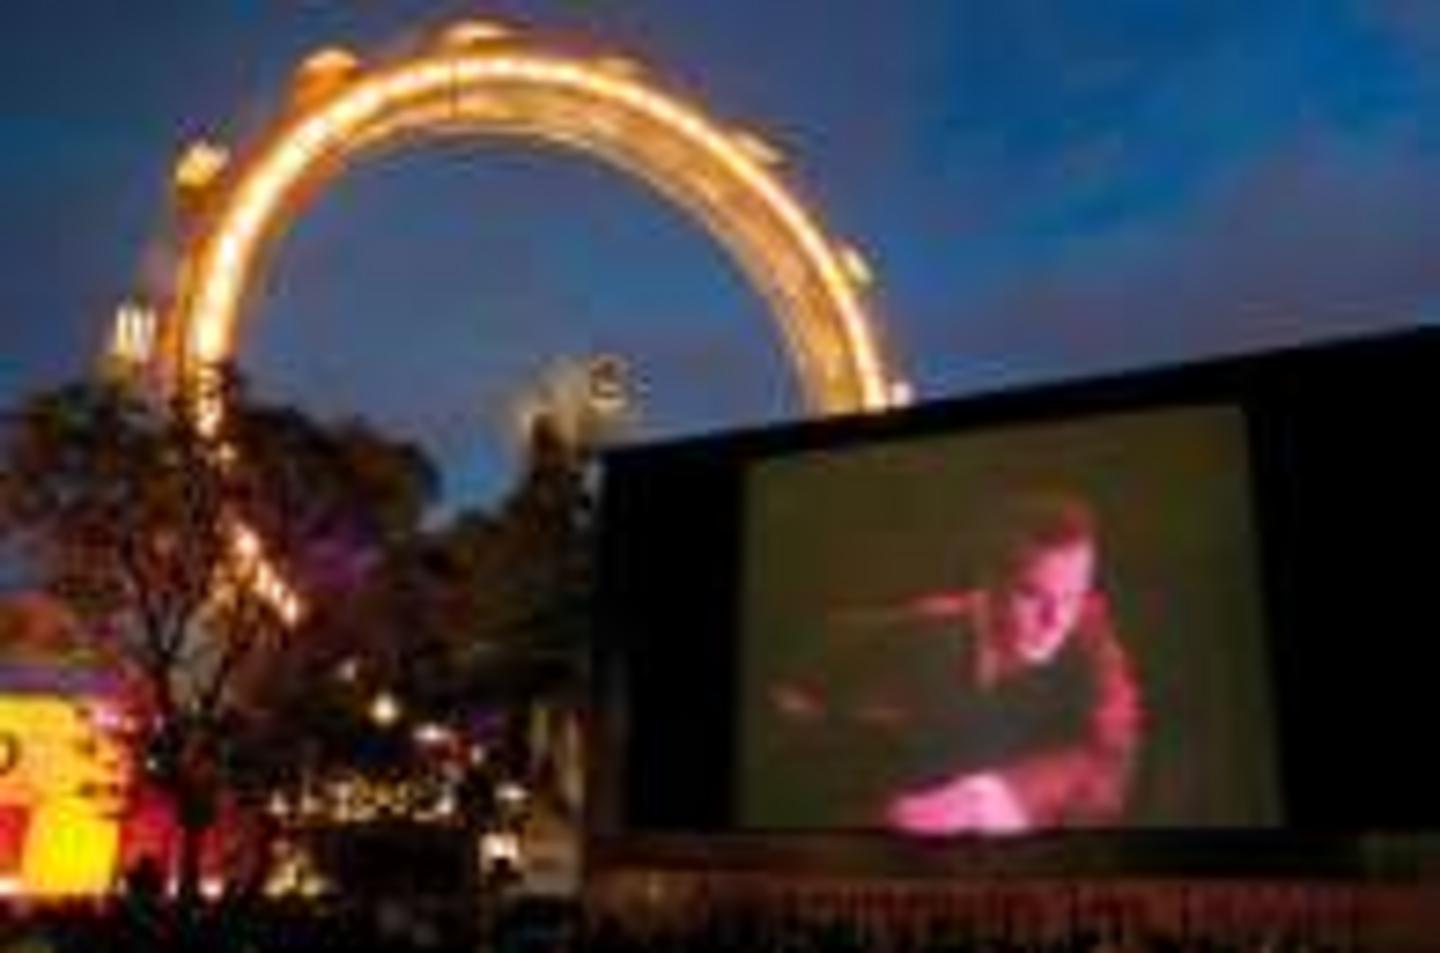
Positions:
{"x": 1007, "y": 630}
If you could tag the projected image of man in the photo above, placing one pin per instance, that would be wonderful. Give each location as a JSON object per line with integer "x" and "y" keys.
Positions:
{"x": 1038, "y": 650}
{"x": 1005, "y": 706}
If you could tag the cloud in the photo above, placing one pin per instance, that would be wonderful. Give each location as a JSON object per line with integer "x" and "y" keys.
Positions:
{"x": 1320, "y": 238}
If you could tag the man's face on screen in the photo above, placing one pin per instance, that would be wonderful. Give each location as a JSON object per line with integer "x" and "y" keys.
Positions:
{"x": 1039, "y": 605}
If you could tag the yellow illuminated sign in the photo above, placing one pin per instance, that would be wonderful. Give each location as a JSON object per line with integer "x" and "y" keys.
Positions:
{"x": 64, "y": 774}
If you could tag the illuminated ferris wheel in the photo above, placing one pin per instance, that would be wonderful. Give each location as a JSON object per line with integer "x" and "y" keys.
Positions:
{"x": 482, "y": 79}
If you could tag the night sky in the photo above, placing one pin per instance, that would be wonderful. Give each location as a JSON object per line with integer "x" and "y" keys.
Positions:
{"x": 1045, "y": 188}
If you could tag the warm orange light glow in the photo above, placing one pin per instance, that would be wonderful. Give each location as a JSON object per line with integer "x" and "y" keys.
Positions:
{"x": 856, "y": 265}
{"x": 60, "y": 769}
{"x": 329, "y": 61}
{"x": 498, "y": 847}
{"x": 757, "y": 148}
{"x": 200, "y": 165}
{"x": 132, "y": 338}
{"x": 321, "y": 74}
{"x": 385, "y": 709}
{"x": 471, "y": 32}
{"x": 249, "y": 568}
